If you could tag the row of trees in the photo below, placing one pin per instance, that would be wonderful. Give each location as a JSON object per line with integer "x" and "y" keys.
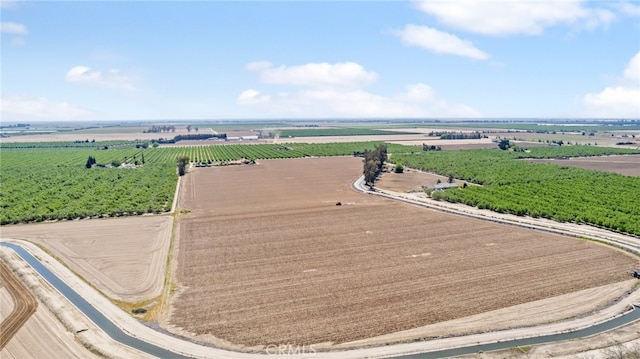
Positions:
{"x": 426, "y": 147}
{"x": 373, "y": 163}
{"x": 160, "y": 129}
{"x": 461, "y": 135}
{"x": 183, "y": 161}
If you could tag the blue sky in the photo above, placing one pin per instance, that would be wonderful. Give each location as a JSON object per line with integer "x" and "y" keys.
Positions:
{"x": 145, "y": 60}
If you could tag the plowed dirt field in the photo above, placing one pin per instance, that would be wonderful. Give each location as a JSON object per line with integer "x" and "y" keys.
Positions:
{"x": 24, "y": 304}
{"x": 628, "y": 165}
{"x": 266, "y": 257}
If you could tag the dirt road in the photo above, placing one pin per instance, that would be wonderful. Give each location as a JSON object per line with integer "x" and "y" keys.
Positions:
{"x": 24, "y": 305}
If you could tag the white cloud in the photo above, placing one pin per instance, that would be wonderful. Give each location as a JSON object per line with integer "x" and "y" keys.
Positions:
{"x": 418, "y": 101}
{"x": 439, "y": 42}
{"x": 13, "y": 28}
{"x": 418, "y": 93}
{"x": 19, "y": 108}
{"x": 337, "y": 91}
{"x": 615, "y": 96}
{"x": 632, "y": 72}
{"x": 507, "y": 17}
{"x": 622, "y": 100}
{"x": 16, "y": 32}
{"x": 627, "y": 8}
{"x": 111, "y": 79}
{"x": 316, "y": 75}
{"x": 252, "y": 97}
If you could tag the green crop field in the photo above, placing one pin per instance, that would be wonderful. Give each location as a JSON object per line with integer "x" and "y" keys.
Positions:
{"x": 510, "y": 185}
{"x": 44, "y": 184}
{"x": 220, "y": 153}
{"x": 48, "y": 183}
{"x": 67, "y": 144}
{"x": 348, "y": 131}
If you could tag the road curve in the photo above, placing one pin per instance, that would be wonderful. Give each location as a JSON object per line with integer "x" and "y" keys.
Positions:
{"x": 627, "y": 242}
{"x": 166, "y": 346}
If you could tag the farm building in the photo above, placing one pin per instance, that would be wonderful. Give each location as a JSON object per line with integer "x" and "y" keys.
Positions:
{"x": 443, "y": 186}
{"x": 241, "y": 136}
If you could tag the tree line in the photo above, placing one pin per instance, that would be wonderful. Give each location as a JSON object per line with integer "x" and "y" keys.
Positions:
{"x": 160, "y": 129}
{"x": 373, "y": 163}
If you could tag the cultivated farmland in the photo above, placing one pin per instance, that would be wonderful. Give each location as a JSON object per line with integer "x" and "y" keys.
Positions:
{"x": 561, "y": 193}
{"x": 52, "y": 182}
{"x": 625, "y": 165}
{"x": 265, "y": 256}
{"x": 125, "y": 258}
{"x": 23, "y": 305}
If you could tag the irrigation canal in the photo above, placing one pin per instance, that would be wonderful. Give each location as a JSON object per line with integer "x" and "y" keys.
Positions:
{"x": 118, "y": 335}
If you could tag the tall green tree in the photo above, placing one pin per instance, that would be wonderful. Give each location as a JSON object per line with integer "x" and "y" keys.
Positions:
{"x": 373, "y": 163}
{"x": 183, "y": 161}
{"x": 90, "y": 162}
{"x": 370, "y": 172}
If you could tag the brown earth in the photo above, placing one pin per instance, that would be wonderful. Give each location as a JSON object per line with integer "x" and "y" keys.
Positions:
{"x": 57, "y": 329}
{"x": 412, "y": 180}
{"x": 628, "y": 165}
{"x": 125, "y": 258}
{"x": 125, "y": 135}
{"x": 24, "y": 304}
{"x": 265, "y": 256}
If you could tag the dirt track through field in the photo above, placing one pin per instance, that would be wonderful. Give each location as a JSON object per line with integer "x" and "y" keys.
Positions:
{"x": 266, "y": 257}
{"x": 24, "y": 305}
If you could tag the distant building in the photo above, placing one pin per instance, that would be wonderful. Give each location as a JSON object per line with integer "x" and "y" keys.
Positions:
{"x": 242, "y": 136}
{"x": 443, "y": 186}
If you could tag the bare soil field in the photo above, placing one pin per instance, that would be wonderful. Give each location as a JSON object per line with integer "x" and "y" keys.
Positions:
{"x": 56, "y": 329}
{"x": 125, "y": 258}
{"x": 23, "y": 305}
{"x": 110, "y": 135}
{"x": 266, "y": 257}
{"x": 42, "y": 336}
{"x": 628, "y": 165}
{"x": 529, "y": 314}
{"x": 409, "y": 181}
